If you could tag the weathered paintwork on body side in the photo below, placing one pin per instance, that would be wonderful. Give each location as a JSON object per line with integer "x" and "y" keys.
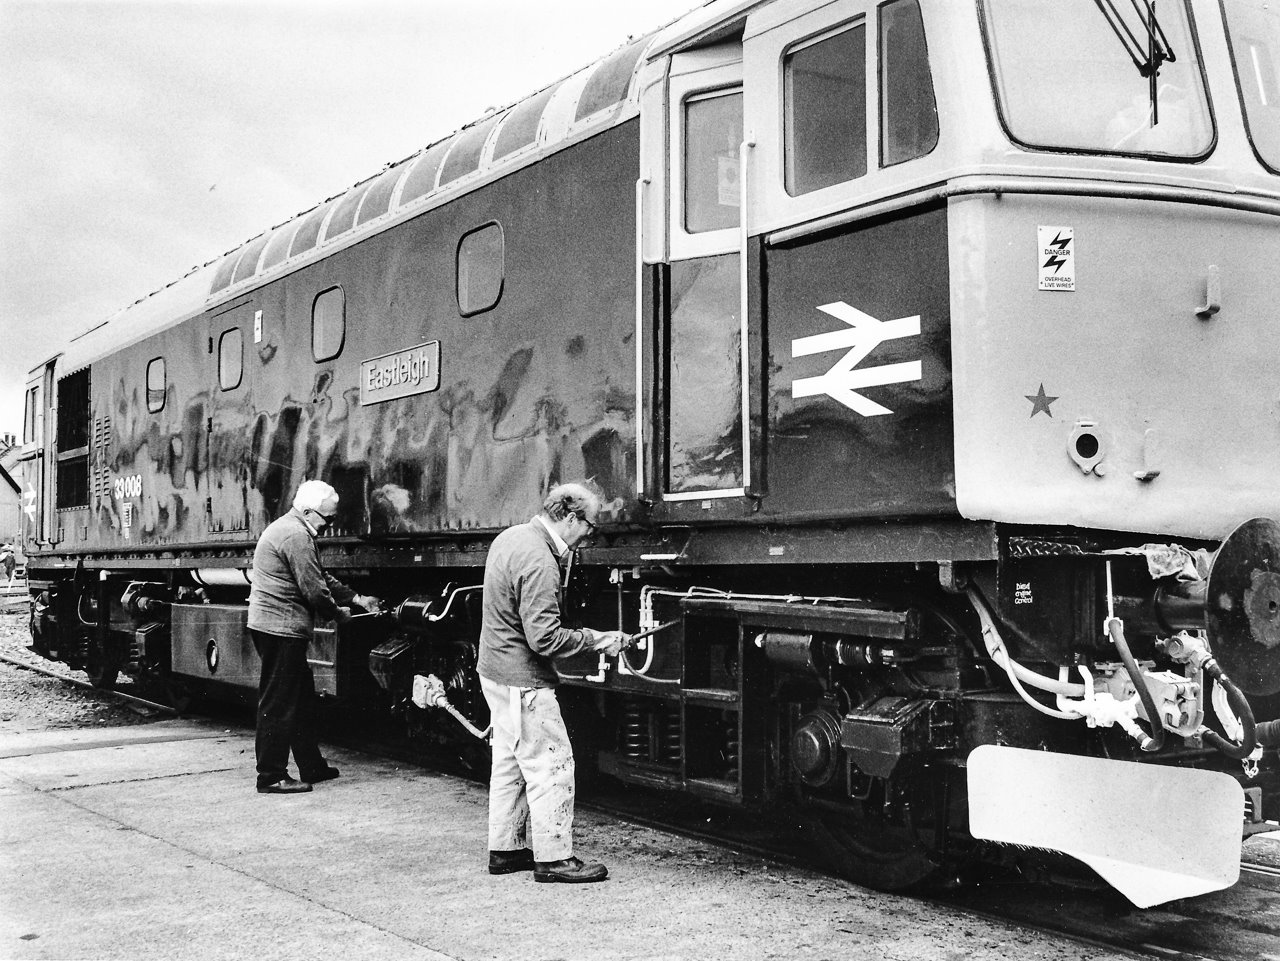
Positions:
{"x": 537, "y": 389}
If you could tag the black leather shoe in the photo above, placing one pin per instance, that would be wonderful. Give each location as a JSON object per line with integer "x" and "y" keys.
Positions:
{"x": 286, "y": 785}
{"x": 570, "y": 871}
{"x": 508, "y": 862}
{"x": 326, "y": 773}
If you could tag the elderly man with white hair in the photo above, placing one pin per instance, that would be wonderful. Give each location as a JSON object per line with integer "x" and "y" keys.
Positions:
{"x": 290, "y": 590}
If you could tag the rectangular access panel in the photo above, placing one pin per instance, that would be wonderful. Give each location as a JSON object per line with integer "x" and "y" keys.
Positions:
{"x": 211, "y": 641}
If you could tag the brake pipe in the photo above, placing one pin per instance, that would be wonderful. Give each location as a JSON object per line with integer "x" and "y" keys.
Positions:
{"x": 449, "y": 603}
{"x": 1115, "y": 627}
{"x": 648, "y": 621}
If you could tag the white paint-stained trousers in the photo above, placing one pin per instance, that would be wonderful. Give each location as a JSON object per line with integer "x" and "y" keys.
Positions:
{"x": 531, "y": 781}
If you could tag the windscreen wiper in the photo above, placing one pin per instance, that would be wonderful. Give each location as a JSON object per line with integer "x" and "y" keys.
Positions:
{"x": 1148, "y": 57}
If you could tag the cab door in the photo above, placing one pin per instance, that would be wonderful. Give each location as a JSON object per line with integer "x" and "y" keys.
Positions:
{"x": 707, "y": 451}
{"x": 230, "y": 418}
{"x": 32, "y": 475}
{"x": 693, "y": 145}
{"x": 851, "y": 236}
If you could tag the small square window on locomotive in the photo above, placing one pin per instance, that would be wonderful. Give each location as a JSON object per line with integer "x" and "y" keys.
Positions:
{"x": 156, "y": 386}
{"x": 481, "y": 267}
{"x": 230, "y": 358}
{"x": 328, "y": 324}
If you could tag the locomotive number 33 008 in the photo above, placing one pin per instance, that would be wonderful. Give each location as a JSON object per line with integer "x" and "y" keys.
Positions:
{"x": 130, "y": 486}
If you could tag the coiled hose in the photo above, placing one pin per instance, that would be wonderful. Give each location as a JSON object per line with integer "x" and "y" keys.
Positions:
{"x": 1240, "y": 705}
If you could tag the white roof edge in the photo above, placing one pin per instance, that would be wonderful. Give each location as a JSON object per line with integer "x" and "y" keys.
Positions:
{"x": 686, "y": 29}
{"x": 166, "y": 308}
{"x": 190, "y": 295}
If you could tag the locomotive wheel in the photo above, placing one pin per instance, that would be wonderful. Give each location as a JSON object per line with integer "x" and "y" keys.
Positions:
{"x": 177, "y": 693}
{"x": 101, "y": 670}
{"x": 885, "y": 857}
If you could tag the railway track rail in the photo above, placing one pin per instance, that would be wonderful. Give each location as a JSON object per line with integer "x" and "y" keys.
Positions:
{"x": 129, "y": 699}
{"x": 1233, "y": 925}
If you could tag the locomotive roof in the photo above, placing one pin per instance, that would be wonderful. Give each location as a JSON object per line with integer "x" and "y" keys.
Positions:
{"x": 600, "y": 95}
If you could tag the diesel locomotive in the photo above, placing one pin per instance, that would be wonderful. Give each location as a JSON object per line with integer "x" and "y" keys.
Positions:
{"x": 925, "y": 352}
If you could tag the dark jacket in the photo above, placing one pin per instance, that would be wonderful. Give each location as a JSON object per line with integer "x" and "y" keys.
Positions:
{"x": 290, "y": 589}
{"x": 520, "y": 631}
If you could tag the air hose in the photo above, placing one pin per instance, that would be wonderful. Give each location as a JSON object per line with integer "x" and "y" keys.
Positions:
{"x": 1268, "y": 733}
{"x": 429, "y": 691}
{"x": 1115, "y": 627}
{"x": 1239, "y": 704}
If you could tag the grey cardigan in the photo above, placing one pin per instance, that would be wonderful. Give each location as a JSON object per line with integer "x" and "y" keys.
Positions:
{"x": 290, "y": 588}
{"x": 520, "y": 631}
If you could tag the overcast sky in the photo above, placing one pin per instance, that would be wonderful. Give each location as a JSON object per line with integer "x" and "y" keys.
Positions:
{"x": 140, "y": 139}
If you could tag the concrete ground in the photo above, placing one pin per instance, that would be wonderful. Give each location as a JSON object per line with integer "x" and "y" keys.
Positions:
{"x": 150, "y": 842}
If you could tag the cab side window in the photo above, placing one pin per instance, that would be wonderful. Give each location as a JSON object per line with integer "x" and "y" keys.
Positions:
{"x": 825, "y": 110}
{"x": 908, "y": 109}
{"x": 30, "y": 415}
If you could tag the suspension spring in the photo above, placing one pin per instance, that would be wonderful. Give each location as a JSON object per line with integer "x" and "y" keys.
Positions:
{"x": 671, "y": 736}
{"x": 635, "y": 731}
{"x": 732, "y": 747}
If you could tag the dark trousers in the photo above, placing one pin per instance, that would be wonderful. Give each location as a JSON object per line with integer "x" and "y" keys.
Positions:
{"x": 286, "y": 709}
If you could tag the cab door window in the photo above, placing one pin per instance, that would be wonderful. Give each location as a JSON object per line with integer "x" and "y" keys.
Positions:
{"x": 712, "y": 135}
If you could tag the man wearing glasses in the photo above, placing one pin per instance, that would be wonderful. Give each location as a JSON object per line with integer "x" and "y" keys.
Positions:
{"x": 531, "y": 785}
{"x": 289, "y": 591}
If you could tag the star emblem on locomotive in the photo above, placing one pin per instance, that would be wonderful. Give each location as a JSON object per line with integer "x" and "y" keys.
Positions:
{"x": 1040, "y": 401}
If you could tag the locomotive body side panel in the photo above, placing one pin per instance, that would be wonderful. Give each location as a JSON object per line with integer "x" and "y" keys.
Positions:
{"x": 540, "y": 386}
{"x": 1115, "y": 405}
{"x": 156, "y": 466}
{"x": 859, "y": 423}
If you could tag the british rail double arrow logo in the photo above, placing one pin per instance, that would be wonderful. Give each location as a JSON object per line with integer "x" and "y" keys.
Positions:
{"x": 864, "y": 334}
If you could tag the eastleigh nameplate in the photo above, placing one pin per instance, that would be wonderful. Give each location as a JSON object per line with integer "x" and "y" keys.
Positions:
{"x": 414, "y": 370}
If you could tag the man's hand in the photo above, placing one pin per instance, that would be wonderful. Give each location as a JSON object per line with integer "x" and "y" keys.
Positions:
{"x": 368, "y": 602}
{"x": 611, "y": 643}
